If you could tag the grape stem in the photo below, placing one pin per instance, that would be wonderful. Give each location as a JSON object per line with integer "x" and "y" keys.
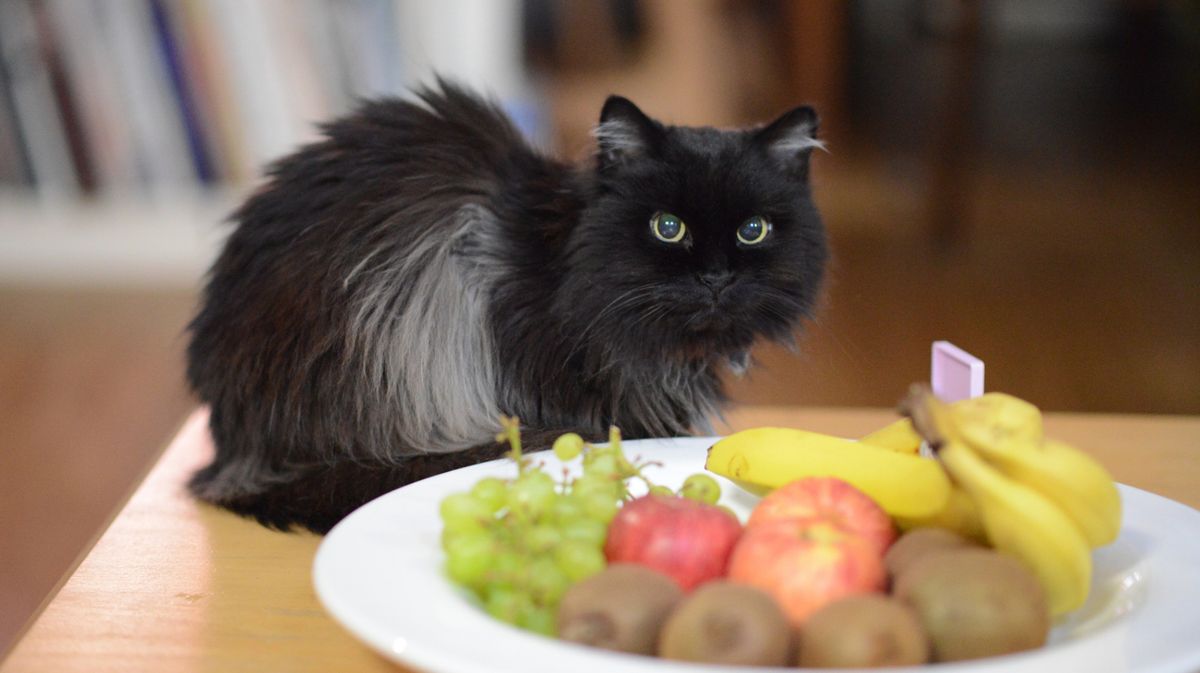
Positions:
{"x": 511, "y": 432}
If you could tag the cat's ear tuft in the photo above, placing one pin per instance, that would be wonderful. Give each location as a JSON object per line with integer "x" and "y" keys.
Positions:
{"x": 624, "y": 132}
{"x": 791, "y": 138}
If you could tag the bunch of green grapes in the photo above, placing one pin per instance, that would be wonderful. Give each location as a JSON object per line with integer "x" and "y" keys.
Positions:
{"x": 519, "y": 543}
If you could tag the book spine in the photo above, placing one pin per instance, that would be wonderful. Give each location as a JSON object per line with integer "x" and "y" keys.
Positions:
{"x": 103, "y": 110}
{"x": 306, "y": 101}
{"x": 257, "y": 83}
{"x": 172, "y": 59}
{"x": 321, "y": 39}
{"x": 37, "y": 113}
{"x": 14, "y": 156}
{"x": 216, "y": 95}
{"x": 158, "y": 133}
{"x": 49, "y": 41}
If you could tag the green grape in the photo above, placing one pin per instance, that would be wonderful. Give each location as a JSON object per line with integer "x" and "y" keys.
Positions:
{"x": 539, "y": 620}
{"x": 468, "y": 558}
{"x": 532, "y": 493}
{"x": 491, "y": 492}
{"x": 449, "y": 537}
{"x": 566, "y": 508}
{"x": 474, "y": 528}
{"x": 593, "y": 483}
{"x": 578, "y": 560}
{"x": 598, "y": 506}
{"x": 520, "y": 543}
{"x": 702, "y": 488}
{"x": 568, "y": 446}
{"x": 547, "y": 582}
{"x": 507, "y": 604}
{"x": 661, "y": 490}
{"x": 543, "y": 537}
{"x": 460, "y": 512}
{"x": 507, "y": 568}
{"x": 603, "y": 466}
{"x": 591, "y": 531}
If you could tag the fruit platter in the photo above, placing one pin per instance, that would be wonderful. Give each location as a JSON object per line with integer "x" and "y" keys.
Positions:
{"x": 959, "y": 535}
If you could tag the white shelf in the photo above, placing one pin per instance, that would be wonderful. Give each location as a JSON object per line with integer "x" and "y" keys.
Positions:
{"x": 160, "y": 243}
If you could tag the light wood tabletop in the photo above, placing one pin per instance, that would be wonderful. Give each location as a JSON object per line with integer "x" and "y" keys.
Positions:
{"x": 175, "y": 585}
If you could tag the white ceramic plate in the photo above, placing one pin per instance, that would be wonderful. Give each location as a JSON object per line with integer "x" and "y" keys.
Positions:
{"x": 378, "y": 572}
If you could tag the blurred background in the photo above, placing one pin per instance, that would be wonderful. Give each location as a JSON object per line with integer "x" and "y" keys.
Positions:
{"x": 1019, "y": 177}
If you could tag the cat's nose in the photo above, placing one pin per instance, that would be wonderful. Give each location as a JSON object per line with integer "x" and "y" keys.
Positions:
{"x": 715, "y": 280}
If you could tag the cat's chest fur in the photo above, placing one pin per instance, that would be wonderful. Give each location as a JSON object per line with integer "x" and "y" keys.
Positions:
{"x": 546, "y": 372}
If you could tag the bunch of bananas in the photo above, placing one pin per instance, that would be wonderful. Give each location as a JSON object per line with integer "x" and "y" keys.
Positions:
{"x": 1041, "y": 500}
{"x": 996, "y": 478}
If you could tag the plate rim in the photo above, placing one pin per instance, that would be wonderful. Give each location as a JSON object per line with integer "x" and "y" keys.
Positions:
{"x": 368, "y": 633}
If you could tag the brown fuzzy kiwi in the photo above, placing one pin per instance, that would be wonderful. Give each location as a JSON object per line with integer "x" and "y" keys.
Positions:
{"x": 620, "y": 608}
{"x": 914, "y": 544}
{"x": 727, "y": 623}
{"x": 975, "y": 603}
{"x": 863, "y": 631}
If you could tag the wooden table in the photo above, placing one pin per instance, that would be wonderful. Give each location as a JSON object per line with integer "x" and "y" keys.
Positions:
{"x": 175, "y": 585}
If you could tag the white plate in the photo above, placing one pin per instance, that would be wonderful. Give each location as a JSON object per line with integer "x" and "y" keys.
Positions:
{"x": 379, "y": 573}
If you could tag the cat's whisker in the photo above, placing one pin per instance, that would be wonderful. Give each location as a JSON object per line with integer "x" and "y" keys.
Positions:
{"x": 622, "y": 300}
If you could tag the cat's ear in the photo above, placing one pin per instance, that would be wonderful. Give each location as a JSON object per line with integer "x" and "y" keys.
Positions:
{"x": 625, "y": 132}
{"x": 791, "y": 138}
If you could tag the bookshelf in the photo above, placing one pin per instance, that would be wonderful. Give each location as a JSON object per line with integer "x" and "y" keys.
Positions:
{"x": 129, "y": 129}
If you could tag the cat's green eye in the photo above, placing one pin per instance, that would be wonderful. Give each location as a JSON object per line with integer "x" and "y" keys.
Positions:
{"x": 667, "y": 228}
{"x": 754, "y": 230}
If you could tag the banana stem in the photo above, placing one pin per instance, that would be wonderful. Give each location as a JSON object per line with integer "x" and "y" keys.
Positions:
{"x": 916, "y": 406}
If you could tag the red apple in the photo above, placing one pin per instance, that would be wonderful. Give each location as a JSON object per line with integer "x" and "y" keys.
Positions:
{"x": 806, "y": 567}
{"x": 687, "y": 540}
{"x": 829, "y": 499}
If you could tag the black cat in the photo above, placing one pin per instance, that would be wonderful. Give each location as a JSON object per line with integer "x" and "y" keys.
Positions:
{"x": 399, "y": 285}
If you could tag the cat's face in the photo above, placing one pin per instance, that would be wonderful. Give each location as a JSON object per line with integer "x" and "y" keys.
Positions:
{"x": 697, "y": 242}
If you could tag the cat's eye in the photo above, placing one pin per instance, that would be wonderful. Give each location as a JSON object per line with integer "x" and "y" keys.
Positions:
{"x": 667, "y": 228}
{"x": 754, "y": 230}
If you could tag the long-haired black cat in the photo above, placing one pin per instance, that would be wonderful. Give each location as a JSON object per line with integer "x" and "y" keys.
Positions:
{"x": 399, "y": 285}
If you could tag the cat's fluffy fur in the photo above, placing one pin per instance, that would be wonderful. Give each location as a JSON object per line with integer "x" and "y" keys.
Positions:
{"x": 397, "y": 286}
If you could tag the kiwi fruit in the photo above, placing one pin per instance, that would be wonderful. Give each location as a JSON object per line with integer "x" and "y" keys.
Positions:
{"x": 975, "y": 602}
{"x": 726, "y": 623}
{"x": 863, "y": 631}
{"x": 914, "y": 544}
{"x": 622, "y": 608}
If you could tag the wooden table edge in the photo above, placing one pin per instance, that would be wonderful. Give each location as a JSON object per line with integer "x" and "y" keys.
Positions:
{"x": 90, "y": 544}
{"x": 60, "y": 637}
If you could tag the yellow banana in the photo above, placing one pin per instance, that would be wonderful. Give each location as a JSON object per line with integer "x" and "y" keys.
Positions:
{"x": 897, "y": 436}
{"x": 1007, "y": 432}
{"x": 960, "y": 515}
{"x": 999, "y": 417}
{"x": 765, "y": 458}
{"x": 1009, "y": 415}
{"x": 1019, "y": 520}
{"x": 1025, "y": 524}
{"x": 1073, "y": 480}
